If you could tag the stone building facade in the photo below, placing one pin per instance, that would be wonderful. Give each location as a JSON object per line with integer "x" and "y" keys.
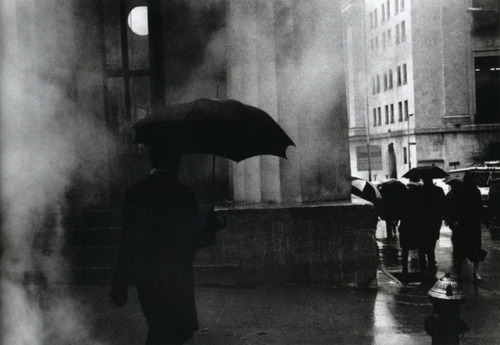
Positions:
{"x": 431, "y": 72}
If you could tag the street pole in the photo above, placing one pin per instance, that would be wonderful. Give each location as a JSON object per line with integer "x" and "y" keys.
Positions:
{"x": 367, "y": 104}
{"x": 409, "y": 149}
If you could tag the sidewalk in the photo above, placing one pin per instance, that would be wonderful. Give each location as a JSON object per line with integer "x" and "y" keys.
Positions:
{"x": 301, "y": 315}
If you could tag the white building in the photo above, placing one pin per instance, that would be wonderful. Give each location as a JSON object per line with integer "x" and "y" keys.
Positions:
{"x": 423, "y": 84}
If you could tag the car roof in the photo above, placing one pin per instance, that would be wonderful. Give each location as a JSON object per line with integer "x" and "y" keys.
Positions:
{"x": 479, "y": 169}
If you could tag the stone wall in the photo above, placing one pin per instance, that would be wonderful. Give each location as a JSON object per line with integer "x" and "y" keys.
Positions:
{"x": 324, "y": 244}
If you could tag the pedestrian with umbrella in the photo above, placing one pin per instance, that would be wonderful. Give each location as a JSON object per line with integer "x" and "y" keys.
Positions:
{"x": 162, "y": 229}
{"x": 464, "y": 219}
{"x": 410, "y": 229}
{"x": 432, "y": 208}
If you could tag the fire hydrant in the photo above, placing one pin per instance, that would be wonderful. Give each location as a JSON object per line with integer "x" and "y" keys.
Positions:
{"x": 445, "y": 325}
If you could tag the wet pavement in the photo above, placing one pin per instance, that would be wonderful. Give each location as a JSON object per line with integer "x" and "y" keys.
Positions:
{"x": 392, "y": 314}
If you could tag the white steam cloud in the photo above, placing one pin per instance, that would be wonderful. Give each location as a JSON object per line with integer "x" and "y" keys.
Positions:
{"x": 45, "y": 138}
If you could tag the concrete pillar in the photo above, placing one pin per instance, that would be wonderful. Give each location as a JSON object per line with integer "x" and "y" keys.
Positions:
{"x": 266, "y": 43}
{"x": 286, "y": 96}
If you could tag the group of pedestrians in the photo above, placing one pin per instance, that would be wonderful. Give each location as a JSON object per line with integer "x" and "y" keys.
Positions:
{"x": 425, "y": 208}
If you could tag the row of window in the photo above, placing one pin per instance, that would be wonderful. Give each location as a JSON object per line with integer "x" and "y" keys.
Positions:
{"x": 403, "y": 113}
{"x": 385, "y": 12}
{"x": 387, "y": 37}
{"x": 388, "y": 79}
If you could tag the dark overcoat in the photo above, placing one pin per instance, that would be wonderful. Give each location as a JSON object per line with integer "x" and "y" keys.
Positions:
{"x": 433, "y": 204}
{"x": 160, "y": 234}
{"x": 464, "y": 217}
{"x": 411, "y": 218}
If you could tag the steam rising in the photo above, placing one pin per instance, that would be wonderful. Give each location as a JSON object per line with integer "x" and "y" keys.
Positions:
{"x": 45, "y": 138}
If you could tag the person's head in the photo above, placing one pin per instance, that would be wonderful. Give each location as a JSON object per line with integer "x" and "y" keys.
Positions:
{"x": 427, "y": 180}
{"x": 469, "y": 179}
{"x": 165, "y": 158}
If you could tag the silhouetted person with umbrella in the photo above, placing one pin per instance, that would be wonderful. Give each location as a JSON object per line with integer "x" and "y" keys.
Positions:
{"x": 161, "y": 233}
{"x": 411, "y": 219}
{"x": 432, "y": 207}
{"x": 464, "y": 219}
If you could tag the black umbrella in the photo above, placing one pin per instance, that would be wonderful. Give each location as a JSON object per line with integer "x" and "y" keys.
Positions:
{"x": 365, "y": 190}
{"x": 226, "y": 128}
{"x": 424, "y": 172}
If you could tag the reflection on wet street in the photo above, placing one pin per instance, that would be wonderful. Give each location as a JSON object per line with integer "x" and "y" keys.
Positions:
{"x": 404, "y": 306}
{"x": 394, "y": 313}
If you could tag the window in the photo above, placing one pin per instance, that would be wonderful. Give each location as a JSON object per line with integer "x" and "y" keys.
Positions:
{"x": 400, "y": 106}
{"x": 374, "y": 117}
{"x": 378, "y": 83}
{"x": 403, "y": 31}
{"x": 405, "y": 155}
{"x": 389, "y": 36}
{"x": 392, "y": 113}
{"x": 406, "y": 110}
{"x": 375, "y": 19}
{"x": 390, "y": 79}
{"x": 397, "y": 33}
{"x": 386, "y": 84}
{"x": 376, "y": 43}
{"x": 379, "y": 116}
{"x": 487, "y": 77}
{"x": 487, "y": 20}
{"x": 388, "y": 7}
{"x": 402, "y": 5}
{"x": 396, "y": 6}
{"x": 386, "y": 114}
{"x": 373, "y": 86}
{"x": 382, "y": 12}
{"x": 405, "y": 74}
{"x": 399, "y": 75}
{"x": 383, "y": 40}
{"x": 371, "y": 21}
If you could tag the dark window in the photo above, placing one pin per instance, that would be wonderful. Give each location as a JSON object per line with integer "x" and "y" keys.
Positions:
{"x": 405, "y": 74}
{"x": 378, "y": 84}
{"x": 396, "y": 6}
{"x": 374, "y": 117}
{"x": 397, "y": 33}
{"x": 487, "y": 74}
{"x": 382, "y": 12}
{"x": 386, "y": 84}
{"x": 371, "y": 21}
{"x": 406, "y": 111}
{"x": 389, "y": 36}
{"x": 400, "y": 106}
{"x": 399, "y": 75}
{"x": 388, "y": 6}
{"x": 486, "y": 20}
{"x": 403, "y": 31}
{"x": 375, "y": 19}
{"x": 405, "y": 156}
{"x": 379, "y": 116}
{"x": 390, "y": 79}
{"x": 386, "y": 114}
{"x": 392, "y": 113}
{"x": 383, "y": 40}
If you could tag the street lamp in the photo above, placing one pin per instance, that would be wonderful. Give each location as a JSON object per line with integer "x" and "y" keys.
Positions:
{"x": 408, "y": 137}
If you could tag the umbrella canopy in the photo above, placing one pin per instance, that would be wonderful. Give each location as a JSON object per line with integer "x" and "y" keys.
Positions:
{"x": 365, "y": 190}
{"x": 226, "y": 128}
{"x": 394, "y": 199}
{"x": 424, "y": 172}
